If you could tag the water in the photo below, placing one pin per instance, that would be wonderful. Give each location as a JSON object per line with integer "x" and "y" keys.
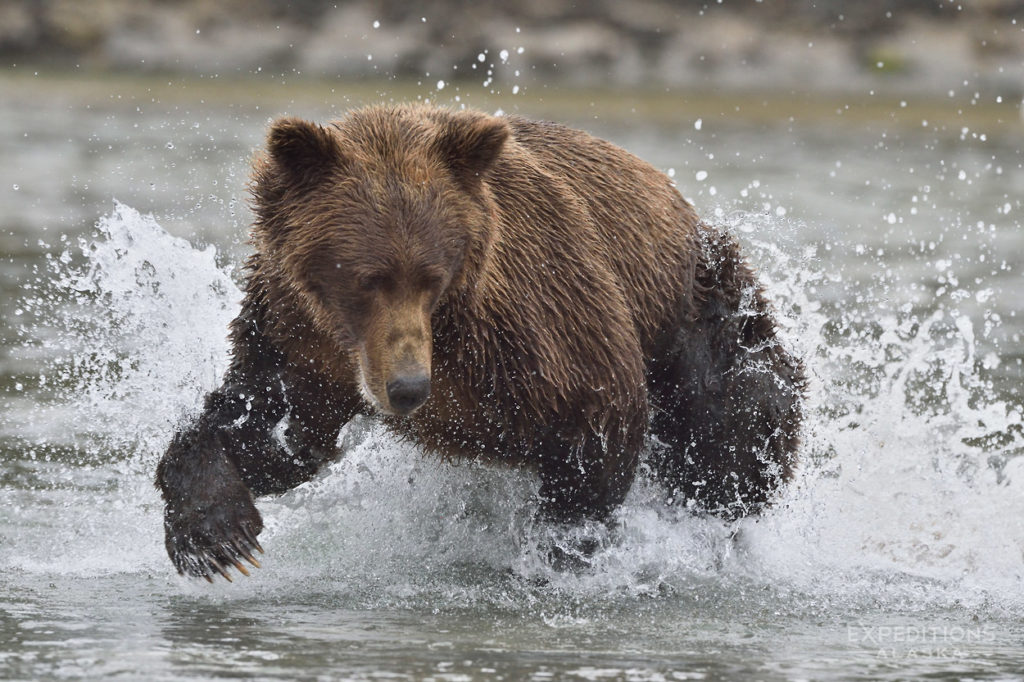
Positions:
{"x": 892, "y": 251}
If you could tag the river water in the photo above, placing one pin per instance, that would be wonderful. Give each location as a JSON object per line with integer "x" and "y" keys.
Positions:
{"x": 889, "y": 234}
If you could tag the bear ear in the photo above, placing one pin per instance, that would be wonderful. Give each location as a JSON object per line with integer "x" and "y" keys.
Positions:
{"x": 469, "y": 143}
{"x": 302, "y": 150}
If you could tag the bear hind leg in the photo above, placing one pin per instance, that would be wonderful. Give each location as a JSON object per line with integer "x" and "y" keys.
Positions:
{"x": 726, "y": 396}
{"x": 727, "y": 448}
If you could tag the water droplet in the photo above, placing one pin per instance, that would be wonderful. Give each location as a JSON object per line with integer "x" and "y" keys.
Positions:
{"x": 376, "y": 24}
{"x": 504, "y": 55}
{"x": 440, "y": 85}
{"x": 169, "y": 145}
{"x": 698, "y": 123}
{"x": 16, "y": 187}
{"x": 702, "y": 176}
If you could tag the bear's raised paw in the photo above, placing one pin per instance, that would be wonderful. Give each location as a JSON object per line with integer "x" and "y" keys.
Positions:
{"x": 206, "y": 541}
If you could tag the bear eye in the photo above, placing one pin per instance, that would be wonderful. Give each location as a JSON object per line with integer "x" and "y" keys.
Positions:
{"x": 371, "y": 283}
{"x": 433, "y": 282}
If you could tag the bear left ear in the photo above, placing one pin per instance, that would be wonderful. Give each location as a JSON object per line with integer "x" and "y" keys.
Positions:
{"x": 469, "y": 143}
{"x": 302, "y": 150}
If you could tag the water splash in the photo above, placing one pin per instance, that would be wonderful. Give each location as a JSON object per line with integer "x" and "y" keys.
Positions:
{"x": 910, "y": 494}
{"x": 132, "y": 331}
{"x": 911, "y": 489}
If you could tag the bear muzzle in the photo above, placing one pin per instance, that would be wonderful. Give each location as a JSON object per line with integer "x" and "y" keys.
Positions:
{"x": 407, "y": 392}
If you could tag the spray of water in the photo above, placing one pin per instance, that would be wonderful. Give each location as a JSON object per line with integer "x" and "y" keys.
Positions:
{"x": 909, "y": 493}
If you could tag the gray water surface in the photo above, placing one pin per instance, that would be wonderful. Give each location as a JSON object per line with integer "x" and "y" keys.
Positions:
{"x": 892, "y": 245}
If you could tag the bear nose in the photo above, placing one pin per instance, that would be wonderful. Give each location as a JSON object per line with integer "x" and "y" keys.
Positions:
{"x": 406, "y": 393}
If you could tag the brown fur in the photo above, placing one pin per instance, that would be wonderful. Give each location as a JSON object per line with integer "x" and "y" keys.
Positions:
{"x": 560, "y": 294}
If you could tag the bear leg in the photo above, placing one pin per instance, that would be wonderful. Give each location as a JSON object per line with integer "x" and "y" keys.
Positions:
{"x": 589, "y": 478}
{"x": 217, "y": 463}
{"x": 728, "y": 446}
{"x": 316, "y": 411}
{"x": 726, "y": 396}
{"x": 582, "y": 482}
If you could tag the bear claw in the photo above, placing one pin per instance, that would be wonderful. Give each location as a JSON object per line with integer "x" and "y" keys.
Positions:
{"x": 220, "y": 569}
{"x": 243, "y": 551}
{"x": 206, "y": 552}
{"x": 252, "y": 541}
{"x": 205, "y": 565}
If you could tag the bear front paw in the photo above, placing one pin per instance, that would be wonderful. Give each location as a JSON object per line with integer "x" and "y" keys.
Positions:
{"x": 204, "y": 540}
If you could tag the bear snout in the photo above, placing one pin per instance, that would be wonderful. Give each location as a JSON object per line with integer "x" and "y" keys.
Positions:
{"x": 407, "y": 392}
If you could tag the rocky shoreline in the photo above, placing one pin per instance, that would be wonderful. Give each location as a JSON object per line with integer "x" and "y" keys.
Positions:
{"x": 917, "y": 47}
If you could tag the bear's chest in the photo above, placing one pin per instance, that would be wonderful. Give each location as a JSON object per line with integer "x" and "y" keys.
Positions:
{"x": 458, "y": 422}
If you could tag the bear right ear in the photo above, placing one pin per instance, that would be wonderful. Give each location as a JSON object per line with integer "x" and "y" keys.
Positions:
{"x": 302, "y": 150}
{"x": 470, "y": 143}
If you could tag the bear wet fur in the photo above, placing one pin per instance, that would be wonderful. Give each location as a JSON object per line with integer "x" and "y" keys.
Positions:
{"x": 490, "y": 287}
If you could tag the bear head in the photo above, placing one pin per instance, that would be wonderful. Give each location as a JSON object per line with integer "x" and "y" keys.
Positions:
{"x": 370, "y": 223}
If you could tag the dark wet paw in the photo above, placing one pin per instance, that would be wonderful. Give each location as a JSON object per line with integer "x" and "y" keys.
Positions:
{"x": 205, "y": 541}
{"x": 572, "y": 556}
{"x": 567, "y": 548}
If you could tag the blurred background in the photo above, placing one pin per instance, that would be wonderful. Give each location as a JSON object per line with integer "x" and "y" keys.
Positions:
{"x": 918, "y": 46}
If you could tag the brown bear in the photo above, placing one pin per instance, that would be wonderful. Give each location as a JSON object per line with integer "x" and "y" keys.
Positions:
{"x": 490, "y": 287}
